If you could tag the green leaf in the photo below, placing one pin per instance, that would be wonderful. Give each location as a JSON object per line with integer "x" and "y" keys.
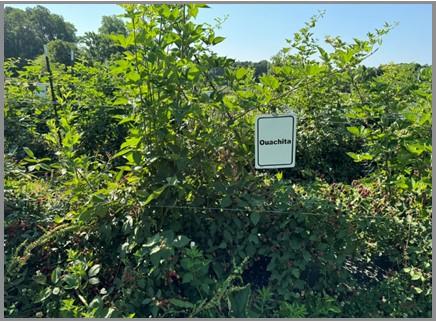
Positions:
{"x": 270, "y": 81}
{"x": 121, "y": 101}
{"x": 155, "y": 194}
{"x": 353, "y": 130}
{"x": 146, "y": 301}
{"x": 43, "y": 295}
{"x": 360, "y": 157}
{"x": 187, "y": 277}
{"x": 86, "y": 215}
{"x": 314, "y": 70}
{"x": 109, "y": 312}
{"x": 253, "y": 238}
{"x": 127, "y": 120}
{"x": 239, "y": 301}
{"x": 245, "y": 94}
{"x": 131, "y": 142}
{"x": 334, "y": 309}
{"x": 255, "y": 217}
{"x": 94, "y": 270}
{"x": 34, "y": 167}
{"x": 156, "y": 249}
{"x": 172, "y": 181}
{"x": 56, "y": 275}
{"x": 229, "y": 101}
{"x": 323, "y": 53}
{"x": 70, "y": 139}
{"x": 295, "y": 272}
{"x": 416, "y": 148}
{"x": 122, "y": 152}
{"x": 122, "y": 40}
{"x": 137, "y": 158}
{"x": 153, "y": 240}
{"x": 71, "y": 282}
{"x": 58, "y": 219}
{"x": 241, "y": 72}
{"x": 155, "y": 259}
{"x": 226, "y": 202}
{"x": 410, "y": 116}
{"x": 193, "y": 10}
{"x": 186, "y": 264}
{"x": 416, "y": 275}
{"x": 417, "y": 290}
{"x": 181, "y": 241}
{"x": 29, "y": 152}
{"x": 193, "y": 72}
{"x": 93, "y": 281}
{"x": 82, "y": 299}
{"x": 133, "y": 76}
{"x": 181, "y": 303}
{"x": 217, "y": 40}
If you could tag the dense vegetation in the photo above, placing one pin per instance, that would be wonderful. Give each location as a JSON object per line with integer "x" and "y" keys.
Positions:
{"x": 134, "y": 194}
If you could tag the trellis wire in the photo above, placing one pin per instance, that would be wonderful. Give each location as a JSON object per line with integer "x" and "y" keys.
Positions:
{"x": 387, "y": 116}
{"x": 223, "y": 209}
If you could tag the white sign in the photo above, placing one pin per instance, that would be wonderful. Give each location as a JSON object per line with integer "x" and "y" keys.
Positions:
{"x": 275, "y": 141}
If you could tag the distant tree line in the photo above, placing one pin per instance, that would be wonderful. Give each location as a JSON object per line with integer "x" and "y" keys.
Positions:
{"x": 260, "y": 67}
{"x": 27, "y": 31}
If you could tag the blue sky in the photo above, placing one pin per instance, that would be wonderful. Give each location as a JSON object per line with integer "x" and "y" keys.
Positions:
{"x": 258, "y": 31}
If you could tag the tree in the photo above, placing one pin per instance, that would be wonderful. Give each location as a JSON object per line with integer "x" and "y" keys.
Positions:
{"x": 260, "y": 67}
{"x": 100, "y": 46}
{"x": 21, "y": 40}
{"x": 27, "y": 31}
{"x": 60, "y": 51}
{"x": 112, "y": 25}
{"x": 51, "y": 26}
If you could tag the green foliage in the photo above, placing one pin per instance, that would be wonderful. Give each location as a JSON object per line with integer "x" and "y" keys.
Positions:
{"x": 260, "y": 68}
{"x": 136, "y": 196}
{"x": 27, "y": 31}
{"x": 61, "y": 51}
{"x": 112, "y": 25}
{"x": 98, "y": 47}
{"x": 398, "y": 128}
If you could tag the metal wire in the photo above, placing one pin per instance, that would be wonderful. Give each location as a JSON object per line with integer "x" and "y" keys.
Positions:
{"x": 387, "y": 116}
{"x": 221, "y": 209}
